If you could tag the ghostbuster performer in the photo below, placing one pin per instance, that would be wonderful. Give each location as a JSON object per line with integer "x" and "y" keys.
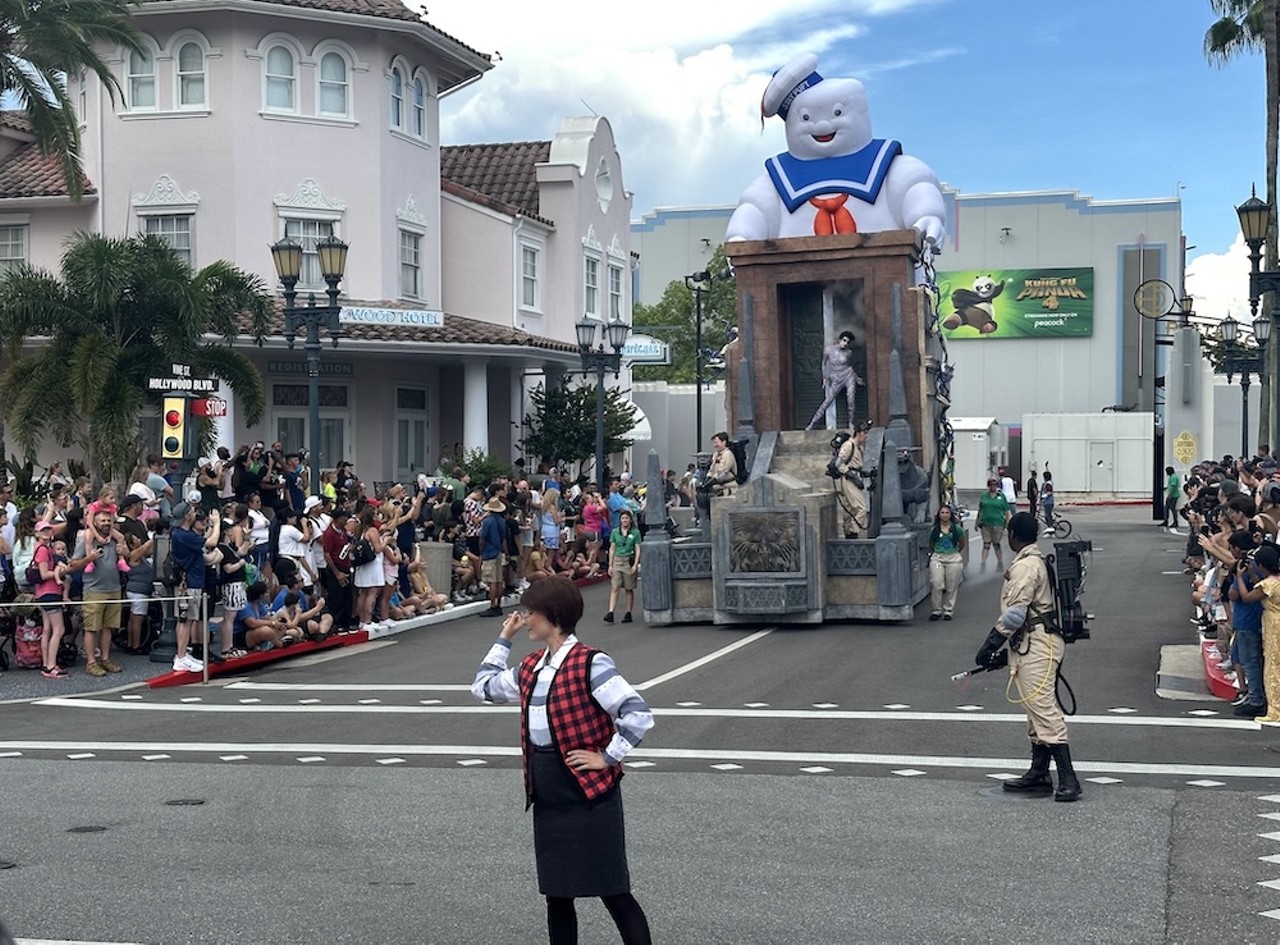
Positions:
{"x": 1034, "y": 655}
{"x": 852, "y": 483}
{"x": 722, "y": 477}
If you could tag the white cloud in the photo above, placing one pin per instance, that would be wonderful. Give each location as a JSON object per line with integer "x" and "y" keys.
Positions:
{"x": 1219, "y": 283}
{"x": 679, "y": 82}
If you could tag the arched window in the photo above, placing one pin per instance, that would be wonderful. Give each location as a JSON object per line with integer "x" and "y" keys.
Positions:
{"x": 281, "y": 80}
{"x": 142, "y": 80}
{"x": 191, "y": 76}
{"x": 397, "y": 98}
{"x": 333, "y": 85}
{"x": 419, "y": 124}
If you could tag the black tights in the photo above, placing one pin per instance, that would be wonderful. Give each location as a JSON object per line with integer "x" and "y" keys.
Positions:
{"x": 562, "y": 919}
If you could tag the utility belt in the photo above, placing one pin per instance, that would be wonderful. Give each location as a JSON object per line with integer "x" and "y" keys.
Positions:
{"x": 1037, "y": 621}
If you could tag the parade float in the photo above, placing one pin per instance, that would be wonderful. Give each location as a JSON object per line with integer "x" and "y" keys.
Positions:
{"x": 836, "y": 238}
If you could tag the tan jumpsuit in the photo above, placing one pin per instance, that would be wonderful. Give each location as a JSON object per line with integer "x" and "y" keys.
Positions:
{"x": 1034, "y": 657}
{"x": 850, "y": 457}
{"x": 724, "y": 466}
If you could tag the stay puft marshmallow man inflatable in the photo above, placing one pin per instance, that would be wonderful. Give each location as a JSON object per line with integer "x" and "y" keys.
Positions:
{"x": 834, "y": 177}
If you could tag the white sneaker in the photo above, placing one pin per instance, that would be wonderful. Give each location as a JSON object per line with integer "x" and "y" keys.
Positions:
{"x": 189, "y": 663}
{"x": 446, "y": 606}
{"x": 523, "y": 585}
{"x": 385, "y": 624}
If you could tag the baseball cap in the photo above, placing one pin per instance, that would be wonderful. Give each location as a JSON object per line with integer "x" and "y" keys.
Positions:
{"x": 204, "y": 461}
{"x": 43, "y": 526}
{"x": 1229, "y": 487}
{"x": 312, "y": 502}
{"x": 193, "y": 497}
{"x": 129, "y": 501}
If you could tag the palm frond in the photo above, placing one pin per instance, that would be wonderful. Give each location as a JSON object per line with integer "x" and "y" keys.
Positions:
{"x": 241, "y": 375}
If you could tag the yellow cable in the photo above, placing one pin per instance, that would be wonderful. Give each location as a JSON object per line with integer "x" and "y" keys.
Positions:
{"x": 1040, "y": 687}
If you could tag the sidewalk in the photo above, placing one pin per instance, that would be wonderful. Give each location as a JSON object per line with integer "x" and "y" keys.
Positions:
{"x": 25, "y": 685}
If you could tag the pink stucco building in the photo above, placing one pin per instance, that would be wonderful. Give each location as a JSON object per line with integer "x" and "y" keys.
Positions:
{"x": 248, "y": 120}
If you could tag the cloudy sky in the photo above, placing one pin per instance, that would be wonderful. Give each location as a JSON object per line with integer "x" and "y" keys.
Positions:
{"x": 1112, "y": 99}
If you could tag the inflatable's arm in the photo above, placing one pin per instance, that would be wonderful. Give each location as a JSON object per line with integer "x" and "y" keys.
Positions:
{"x": 916, "y": 198}
{"x": 759, "y": 213}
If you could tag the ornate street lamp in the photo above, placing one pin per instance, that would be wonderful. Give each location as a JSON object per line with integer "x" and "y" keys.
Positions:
{"x": 601, "y": 362}
{"x": 287, "y": 256}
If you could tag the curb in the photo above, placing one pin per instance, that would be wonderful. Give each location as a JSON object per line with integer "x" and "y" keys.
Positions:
{"x": 1215, "y": 678}
{"x": 261, "y": 658}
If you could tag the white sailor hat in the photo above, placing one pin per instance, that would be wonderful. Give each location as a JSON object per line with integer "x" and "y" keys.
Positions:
{"x": 787, "y": 83}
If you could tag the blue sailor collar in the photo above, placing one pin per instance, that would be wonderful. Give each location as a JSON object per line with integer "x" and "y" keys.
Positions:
{"x": 860, "y": 174}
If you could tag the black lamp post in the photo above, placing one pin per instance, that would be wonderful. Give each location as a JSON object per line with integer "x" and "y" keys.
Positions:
{"x": 287, "y": 255}
{"x": 1230, "y": 329}
{"x": 1256, "y": 220}
{"x": 600, "y": 361}
{"x": 699, "y": 282}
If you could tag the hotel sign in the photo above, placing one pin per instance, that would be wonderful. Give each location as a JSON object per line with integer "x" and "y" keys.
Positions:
{"x": 399, "y": 318}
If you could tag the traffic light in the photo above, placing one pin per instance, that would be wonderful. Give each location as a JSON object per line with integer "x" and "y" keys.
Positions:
{"x": 173, "y": 440}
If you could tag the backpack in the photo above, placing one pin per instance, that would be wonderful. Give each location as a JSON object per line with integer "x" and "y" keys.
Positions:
{"x": 23, "y": 553}
{"x": 362, "y": 552}
{"x": 739, "y": 450}
{"x": 27, "y": 646}
{"x": 170, "y": 576}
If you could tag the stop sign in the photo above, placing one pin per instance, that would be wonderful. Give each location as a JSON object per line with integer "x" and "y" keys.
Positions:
{"x": 209, "y": 407}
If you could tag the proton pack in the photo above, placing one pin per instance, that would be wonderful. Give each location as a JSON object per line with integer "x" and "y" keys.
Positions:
{"x": 1067, "y": 568}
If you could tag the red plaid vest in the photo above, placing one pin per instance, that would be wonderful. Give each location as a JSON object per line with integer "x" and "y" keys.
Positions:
{"x": 575, "y": 718}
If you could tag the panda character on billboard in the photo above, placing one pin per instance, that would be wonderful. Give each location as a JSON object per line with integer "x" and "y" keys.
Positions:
{"x": 973, "y": 307}
{"x": 834, "y": 176}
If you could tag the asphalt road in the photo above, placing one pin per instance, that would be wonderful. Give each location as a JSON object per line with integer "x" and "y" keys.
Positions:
{"x": 828, "y": 784}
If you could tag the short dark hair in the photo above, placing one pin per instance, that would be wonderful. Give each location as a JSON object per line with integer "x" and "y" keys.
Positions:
{"x": 1242, "y": 504}
{"x": 291, "y": 598}
{"x": 255, "y": 591}
{"x": 558, "y": 599}
{"x": 1268, "y": 557}
{"x": 1168, "y": 470}
{"x": 1242, "y": 539}
{"x": 845, "y": 334}
{"x": 1023, "y": 526}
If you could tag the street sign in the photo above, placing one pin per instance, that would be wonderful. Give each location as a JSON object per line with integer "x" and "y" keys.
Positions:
{"x": 180, "y": 379}
{"x": 211, "y": 407}
{"x": 645, "y": 349}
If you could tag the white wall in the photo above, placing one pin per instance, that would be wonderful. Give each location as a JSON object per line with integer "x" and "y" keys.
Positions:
{"x": 1101, "y": 454}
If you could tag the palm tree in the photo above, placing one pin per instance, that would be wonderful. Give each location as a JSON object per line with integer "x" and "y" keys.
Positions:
{"x": 82, "y": 346}
{"x": 44, "y": 41}
{"x": 1245, "y": 26}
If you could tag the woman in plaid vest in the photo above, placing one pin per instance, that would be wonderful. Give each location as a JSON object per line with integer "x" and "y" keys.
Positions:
{"x": 578, "y": 719}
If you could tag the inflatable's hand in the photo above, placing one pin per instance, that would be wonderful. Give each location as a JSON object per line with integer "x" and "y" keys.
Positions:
{"x": 934, "y": 232}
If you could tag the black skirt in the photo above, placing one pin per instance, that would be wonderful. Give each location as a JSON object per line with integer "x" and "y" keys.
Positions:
{"x": 580, "y": 845}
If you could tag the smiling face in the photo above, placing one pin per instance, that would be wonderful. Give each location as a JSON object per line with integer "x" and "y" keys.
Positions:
{"x": 828, "y": 120}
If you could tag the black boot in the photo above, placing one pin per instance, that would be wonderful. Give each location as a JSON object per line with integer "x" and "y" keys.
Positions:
{"x": 1068, "y": 783}
{"x": 1036, "y": 780}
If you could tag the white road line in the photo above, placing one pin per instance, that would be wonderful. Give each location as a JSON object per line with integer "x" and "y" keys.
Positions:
{"x": 1128, "y": 721}
{"x": 706, "y": 755}
{"x": 350, "y": 687}
{"x": 703, "y": 661}
{"x": 51, "y": 941}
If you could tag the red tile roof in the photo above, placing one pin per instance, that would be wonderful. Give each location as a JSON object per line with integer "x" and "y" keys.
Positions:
{"x": 15, "y": 120}
{"x": 457, "y": 330}
{"x": 386, "y": 9}
{"x": 505, "y": 172}
{"x": 28, "y": 173}
{"x": 484, "y": 200}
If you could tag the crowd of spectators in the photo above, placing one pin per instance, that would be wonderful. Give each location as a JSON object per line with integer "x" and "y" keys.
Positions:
{"x": 271, "y": 564}
{"x": 1231, "y": 513}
